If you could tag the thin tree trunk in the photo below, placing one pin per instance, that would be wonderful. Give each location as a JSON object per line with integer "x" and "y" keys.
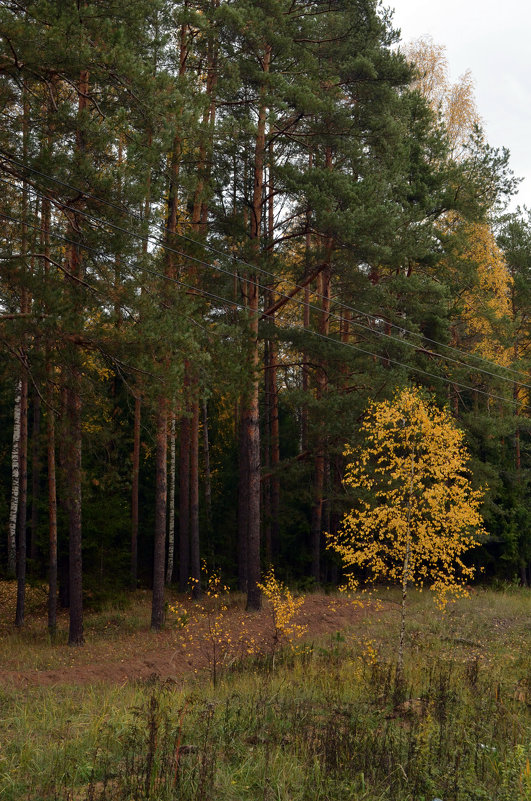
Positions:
{"x": 317, "y": 514}
{"x": 251, "y": 414}
{"x": 157, "y": 607}
{"x": 63, "y": 574}
{"x": 266, "y": 481}
{"x": 199, "y": 218}
{"x": 52, "y": 508}
{"x": 134, "y": 493}
{"x": 73, "y": 416}
{"x": 274, "y": 433}
{"x": 252, "y": 436}
{"x": 171, "y": 521}
{"x": 405, "y": 574}
{"x": 75, "y": 562}
{"x": 206, "y": 459}
{"x": 161, "y": 479}
{"x": 323, "y": 287}
{"x": 22, "y": 503}
{"x": 200, "y": 212}
{"x": 50, "y": 448}
{"x": 25, "y": 306}
{"x": 15, "y": 485}
{"x": 275, "y": 455}
{"x": 306, "y": 324}
{"x": 272, "y": 487}
{"x": 516, "y": 398}
{"x": 138, "y": 412}
{"x": 35, "y": 475}
{"x": 243, "y": 505}
{"x": 195, "y": 563}
{"x": 268, "y": 369}
{"x": 184, "y": 505}
{"x": 319, "y": 462}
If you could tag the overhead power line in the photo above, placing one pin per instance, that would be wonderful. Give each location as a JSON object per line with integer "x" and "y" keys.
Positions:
{"x": 213, "y": 266}
{"x": 313, "y": 334}
{"x": 254, "y": 268}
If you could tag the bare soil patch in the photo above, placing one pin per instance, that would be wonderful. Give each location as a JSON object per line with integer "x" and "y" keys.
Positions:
{"x": 115, "y": 656}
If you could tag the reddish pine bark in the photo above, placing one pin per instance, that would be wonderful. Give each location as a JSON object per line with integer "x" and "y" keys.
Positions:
{"x": 75, "y": 563}
{"x": 134, "y": 492}
{"x": 195, "y": 564}
{"x": 157, "y": 607}
{"x": 52, "y": 508}
{"x": 319, "y": 462}
{"x": 206, "y": 460}
{"x": 35, "y": 474}
{"x": 22, "y": 503}
{"x": 184, "y": 505}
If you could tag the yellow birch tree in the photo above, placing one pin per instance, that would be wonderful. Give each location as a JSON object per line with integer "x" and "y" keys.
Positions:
{"x": 454, "y": 103}
{"x": 416, "y": 513}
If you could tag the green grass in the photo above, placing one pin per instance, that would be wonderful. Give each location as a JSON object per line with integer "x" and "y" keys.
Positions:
{"x": 329, "y": 723}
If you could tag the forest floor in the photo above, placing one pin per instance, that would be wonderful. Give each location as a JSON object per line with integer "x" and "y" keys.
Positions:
{"x": 125, "y": 716}
{"x": 120, "y": 647}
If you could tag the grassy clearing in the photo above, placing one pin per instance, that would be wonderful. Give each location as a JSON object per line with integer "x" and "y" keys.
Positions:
{"x": 327, "y": 723}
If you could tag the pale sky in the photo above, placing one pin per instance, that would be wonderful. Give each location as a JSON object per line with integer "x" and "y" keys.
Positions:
{"x": 491, "y": 38}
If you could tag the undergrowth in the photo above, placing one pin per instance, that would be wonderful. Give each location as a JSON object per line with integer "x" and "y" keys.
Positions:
{"x": 326, "y": 722}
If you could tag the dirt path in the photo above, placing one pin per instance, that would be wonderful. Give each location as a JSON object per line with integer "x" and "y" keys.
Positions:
{"x": 174, "y": 653}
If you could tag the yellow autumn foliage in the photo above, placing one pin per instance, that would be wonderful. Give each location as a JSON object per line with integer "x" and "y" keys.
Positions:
{"x": 416, "y": 513}
{"x": 453, "y": 102}
{"x": 207, "y": 624}
{"x": 284, "y": 607}
{"x": 486, "y": 303}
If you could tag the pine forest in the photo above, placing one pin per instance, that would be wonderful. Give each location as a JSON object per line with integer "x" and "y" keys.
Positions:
{"x": 265, "y": 407}
{"x": 228, "y": 227}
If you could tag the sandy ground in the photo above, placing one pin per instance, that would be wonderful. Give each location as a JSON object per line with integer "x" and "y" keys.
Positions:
{"x": 175, "y": 652}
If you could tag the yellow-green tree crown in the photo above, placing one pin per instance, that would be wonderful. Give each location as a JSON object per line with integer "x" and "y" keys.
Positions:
{"x": 416, "y": 513}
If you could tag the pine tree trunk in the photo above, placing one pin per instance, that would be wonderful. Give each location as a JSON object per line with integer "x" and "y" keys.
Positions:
{"x": 266, "y": 445}
{"x": 271, "y": 483}
{"x": 272, "y": 397}
{"x": 75, "y": 562}
{"x": 35, "y": 475}
{"x": 63, "y": 575}
{"x": 157, "y": 607}
{"x": 50, "y": 448}
{"x": 22, "y": 503}
{"x": 204, "y": 165}
{"x": 243, "y": 506}
{"x": 184, "y": 505}
{"x": 323, "y": 288}
{"x": 317, "y": 514}
{"x": 275, "y": 449}
{"x": 319, "y": 462}
{"x": 252, "y": 436}
{"x": 195, "y": 563}
{"x": 138, "y": 410}
{"x": 52, "y": 507}
{"x": 15, "y": 485}
{"x": 73, "y": 411}
{"x": 134, "y": 492}
{"x": 171, "y": 521}
{"x": 306, "y": 324}
{"x": 25, "y": 306}
{"x": 206, "y": 460}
